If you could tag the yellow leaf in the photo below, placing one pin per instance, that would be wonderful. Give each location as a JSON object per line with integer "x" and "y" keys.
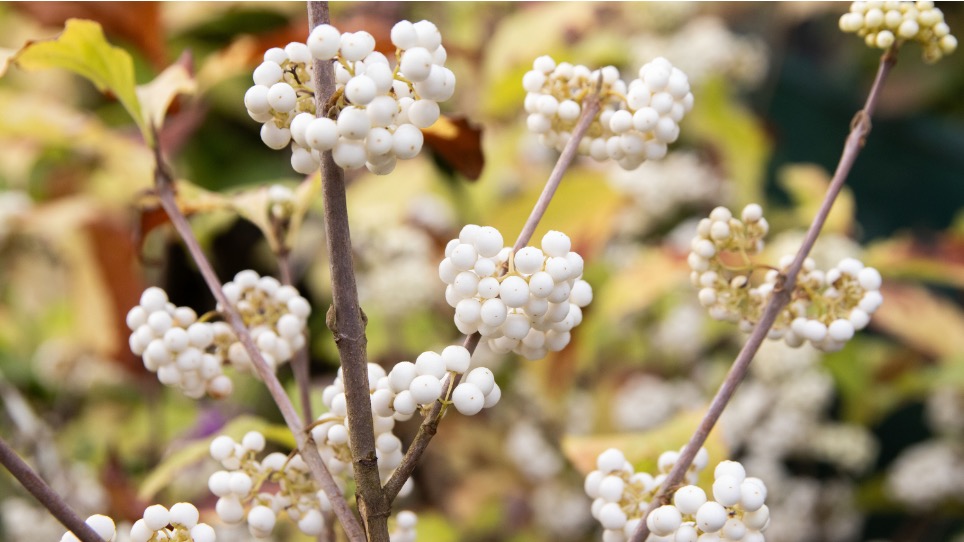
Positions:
{"x": 653, "y": 273}
{"x": 155, "y": 97}
{"x": 807, "y": 184}
{"x": 83, "y": 49}
{"x": 509, "y": 52}
{"x": 642, "y": 449}
{"x": 939, "y": 261}
{"x": 922, "y": 320}
{"x": 229, "y": 62}
{"x": 191, "y": 198}
{"x": 584, "y": 207}
{"x": 6, "y": 56}
{"x": 255, "y": 205}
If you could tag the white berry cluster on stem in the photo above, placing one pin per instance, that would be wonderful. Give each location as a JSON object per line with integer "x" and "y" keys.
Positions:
{"x": 736, "y": 512}
{"x": 376, "y": 113}
{"x": 190, "y": 354}
{"x": 396, "y": 396}
{"x": 825, "y": 308}
{"x": 180, "y": 524}
{"x": 275, "y": 315}
{"x": 524, "y": 302}
{"x": 258, "y": 491}
{"x": 331, "y": 433}
{"x": 621, "y": 497}
{"x": 882, "y": 24}
{"x": 176, "y": 346}
{"x": 636, "y": 122}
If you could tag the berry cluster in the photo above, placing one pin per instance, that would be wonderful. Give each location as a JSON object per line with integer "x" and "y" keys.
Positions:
{"x": 882, "y": 24}
{"x": 826, "y": 308}
{"x": 376, "y": 112}
{"x": 243, "y": 487}
{"x": 636, "y": 121}
{"x": 330, "y": 431}
{"x": 736, "y": 513}
{"x": 621, "y": 496}
{"x": 397, "y": 395}
{"x": 176, "y": 346}
{"x": 525, "y": 302}
{"x": 190, "y": 354}
{"x": 415, "y": 386}
{"x": 179, "y": 523}
{"x": 274, "y": 314}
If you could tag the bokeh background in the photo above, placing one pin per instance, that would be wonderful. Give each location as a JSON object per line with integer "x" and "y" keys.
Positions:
{"x": 863, "y": 444}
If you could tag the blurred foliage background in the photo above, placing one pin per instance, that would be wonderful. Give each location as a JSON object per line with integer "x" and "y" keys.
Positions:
{"x": 863, "y": 444}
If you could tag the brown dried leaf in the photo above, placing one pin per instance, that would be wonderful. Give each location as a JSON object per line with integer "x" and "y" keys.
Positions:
{"x": 458, "y": 144}
{"x": 115, "y": 253}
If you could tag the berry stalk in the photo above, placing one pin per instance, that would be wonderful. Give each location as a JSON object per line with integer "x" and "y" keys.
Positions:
{"x": 430, "y": 424}
{"x": 345, "y": 318}
{"x": 45, "y": 495}
{"x": 860, "y": 128}
{"x": 164, "y": 188}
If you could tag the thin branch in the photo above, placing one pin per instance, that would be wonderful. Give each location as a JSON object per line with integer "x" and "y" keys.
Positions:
{"x": 45, "y": 494}
{"x": 164, "y": 187}
{"x": 590, "y": 110}
{"x": 299, "y": 363}
{"x": 35, "y": 432}
{"x": 345, "y": 318}
{"x": 860, "y": 128}
{"x": 430, "y": 424}
{"x": 426, "y": 430}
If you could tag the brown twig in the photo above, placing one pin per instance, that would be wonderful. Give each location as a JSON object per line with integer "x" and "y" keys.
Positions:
{"x": 855, "y": 141}
{"x": 44, "y": 494}
{"x": 430, "y": 424}
{"x": 346, "y": 320}
{"x": 164, "y": 187}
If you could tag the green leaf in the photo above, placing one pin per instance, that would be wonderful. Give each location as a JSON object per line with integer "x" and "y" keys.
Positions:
{"x": 737, "y": 135}
{"x": 83, "y": 49}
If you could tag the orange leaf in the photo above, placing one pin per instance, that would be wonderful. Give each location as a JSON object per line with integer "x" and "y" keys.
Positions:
{"x": 115, "y": 254}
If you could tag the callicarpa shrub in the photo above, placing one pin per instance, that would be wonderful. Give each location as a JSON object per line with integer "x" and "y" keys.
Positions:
{"x": 508, "y": 330}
